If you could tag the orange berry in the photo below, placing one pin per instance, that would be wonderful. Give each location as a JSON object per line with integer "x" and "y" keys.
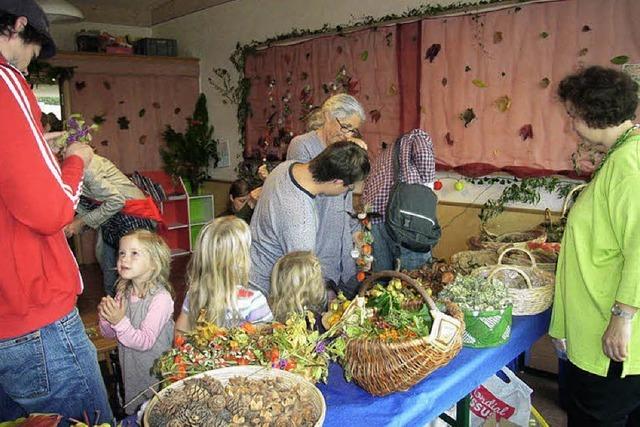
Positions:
{"x": 360, "y": 276}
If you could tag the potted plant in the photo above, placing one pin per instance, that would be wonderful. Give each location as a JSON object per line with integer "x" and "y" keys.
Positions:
{"x": 188, "y": 154}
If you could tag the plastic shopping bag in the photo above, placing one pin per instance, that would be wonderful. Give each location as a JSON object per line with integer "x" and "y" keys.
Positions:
{"x": 504, "y": 396}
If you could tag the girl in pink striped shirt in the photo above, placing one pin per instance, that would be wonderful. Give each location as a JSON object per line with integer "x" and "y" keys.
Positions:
{"x": 141, "y": 315}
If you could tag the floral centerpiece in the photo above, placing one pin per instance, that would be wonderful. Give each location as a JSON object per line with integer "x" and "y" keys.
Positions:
{"x": 291, "y": 346}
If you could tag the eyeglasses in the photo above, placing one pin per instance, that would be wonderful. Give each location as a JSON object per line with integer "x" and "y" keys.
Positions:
{"x": 346, "y": 129}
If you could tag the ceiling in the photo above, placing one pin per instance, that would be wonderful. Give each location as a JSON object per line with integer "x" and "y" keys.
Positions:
{"x": 143, "y": 13}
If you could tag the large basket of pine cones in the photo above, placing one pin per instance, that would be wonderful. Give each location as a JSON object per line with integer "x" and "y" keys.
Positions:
{"x": 238, "y": 395}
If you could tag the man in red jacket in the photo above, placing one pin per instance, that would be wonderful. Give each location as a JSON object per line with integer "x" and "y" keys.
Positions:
{"x": 47, "y": 363}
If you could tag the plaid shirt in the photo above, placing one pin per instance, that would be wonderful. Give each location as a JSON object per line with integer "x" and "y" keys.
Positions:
{"x": 417, "y": 165}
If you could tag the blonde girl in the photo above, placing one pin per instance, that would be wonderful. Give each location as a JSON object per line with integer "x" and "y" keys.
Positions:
{"x": 296, "y": 285}
{"x": 140, "y": 317}
{"x": 218, "y": 275}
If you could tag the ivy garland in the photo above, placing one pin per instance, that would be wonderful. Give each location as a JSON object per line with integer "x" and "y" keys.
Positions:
{"x": 240, "y": 92}
{"x": 518, "y": 190}
{"x": 525, "y": 190}
{"x": 41, "y": 72}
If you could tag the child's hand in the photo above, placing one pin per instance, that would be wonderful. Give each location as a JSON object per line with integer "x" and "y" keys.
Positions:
{"x": 111, "y": 310}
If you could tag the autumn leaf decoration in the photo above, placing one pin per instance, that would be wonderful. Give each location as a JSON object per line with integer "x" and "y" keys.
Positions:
{"x": 583, "y": 52}
{"x": 503, "y": 103}
{"x": 364, "y": 55}
{"x": 526, "y": 132}
{"x": 375, "y": 115}
{"x": 448, "y": 138}
{"x": 479, "y": 83}
{"x": 99, "y": 119}
{"x": 432, "y": 52}
{"x": 545, "y": 82}
{"x": 497, "y": 37}
{"x": 123, "y": 122}
{"x": 619, "y": 60}
{"x": 467, "y": 116}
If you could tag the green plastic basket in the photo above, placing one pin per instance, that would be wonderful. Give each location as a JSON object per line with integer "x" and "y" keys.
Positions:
{"x": 486, "y": 328}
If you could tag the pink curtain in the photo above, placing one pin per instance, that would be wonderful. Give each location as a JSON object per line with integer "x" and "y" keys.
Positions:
{"x": 287, "y": 80}
{"x": 511, "y": 52}
{"x": 504, "y": 66}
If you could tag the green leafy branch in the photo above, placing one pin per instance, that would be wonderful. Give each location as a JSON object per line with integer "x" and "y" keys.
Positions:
{"x": 525, "y": 190}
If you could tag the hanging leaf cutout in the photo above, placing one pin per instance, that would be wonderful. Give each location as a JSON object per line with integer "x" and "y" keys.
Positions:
{"x": 375, "y": 115}
{"x": 544, "y": 35}
{"x": 503, "y": 103}
{"x": 545, "y": 82}
{"x": 339, "y": 49}
{"x": 307, "y": 56}
{"x": 80, "y": 86}
{"x": 393, "y": 90}
{"x": 99, "y": 119}
{"x": 467, "y": 68}
{"x": 526, "y": 132}
{"x": 364, "y": 55}
{"x": 107, "y": 85}
{"x": 304, "y": 76}
{"x": 444, "y": 81}
{"x": 141, "y": 112}
{"x": 619, "y": 60}
{"x": 142, "y": 140}
{"x": 497, "y": 37}
{"x": 479, "y": 83}
{"x": 104, "y": 142}
{"x": 432, "y": 52}
{"x": 467, "y": 116}
{"x": 156, "y": 105}
{"x": 123, "y": 122}
{"x": 388, "y": 39}
{"x": 121, "y": 102}
{"x": 583, "y": 51}
{"x": 586, "y": 28}
{"x": 177, "y": 110}
{"x": 448, "y": 138}
{"x": 384, "y": 145}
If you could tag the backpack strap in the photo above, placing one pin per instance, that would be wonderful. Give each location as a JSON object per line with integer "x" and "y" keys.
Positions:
{"x": 396, "y": 161}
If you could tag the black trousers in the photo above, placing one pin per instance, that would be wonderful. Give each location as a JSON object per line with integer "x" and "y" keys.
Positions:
{"x": 596, "y": 401}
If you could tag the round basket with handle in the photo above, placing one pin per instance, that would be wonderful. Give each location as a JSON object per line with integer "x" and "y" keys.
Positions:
{"x": 530, "y": 288}
{"x": 555, "y": 230}
{"x": 381, "y": 367}
{"x": 223, "y": 375}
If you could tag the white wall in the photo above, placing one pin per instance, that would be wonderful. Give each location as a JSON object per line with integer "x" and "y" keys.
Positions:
{"x": 65, "y": 34}
{"x": 212, "y": 34}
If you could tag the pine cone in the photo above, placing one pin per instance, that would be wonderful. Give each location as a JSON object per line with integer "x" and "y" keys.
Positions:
{"x": 217, "y": 403}
{"x": 235, "y": 405}
{"x": 195, "y": 392}
{"x": 212, "y": 385}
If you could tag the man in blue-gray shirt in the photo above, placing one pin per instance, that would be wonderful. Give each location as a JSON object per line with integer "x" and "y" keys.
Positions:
{"x": 285, "y": 218}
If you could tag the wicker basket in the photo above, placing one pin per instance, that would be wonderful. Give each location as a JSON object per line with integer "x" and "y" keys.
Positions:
{"x": 535, "y": 295}
{"x": 382, "y": 368}
{"x": 488, "y": 240}
{"x": 224, "y": 374}
{"x": 555, "y": 231}
{"x": 466, "y": 261}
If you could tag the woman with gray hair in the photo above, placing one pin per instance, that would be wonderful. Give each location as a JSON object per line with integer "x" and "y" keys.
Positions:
{"x": 338, "y": 120}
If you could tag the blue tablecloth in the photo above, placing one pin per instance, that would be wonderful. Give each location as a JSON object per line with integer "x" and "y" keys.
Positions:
{"x": 350, "y": 406}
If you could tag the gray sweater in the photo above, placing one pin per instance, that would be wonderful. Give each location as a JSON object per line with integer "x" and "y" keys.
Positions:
{"x": 335, "y": 227}
{"x": 284, "y": 221}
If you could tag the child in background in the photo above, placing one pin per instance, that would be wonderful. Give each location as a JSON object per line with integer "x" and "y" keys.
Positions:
{"x": 141, "y": 315}
{"x": 218, "y": 274}
{"x": 297, "y": 285}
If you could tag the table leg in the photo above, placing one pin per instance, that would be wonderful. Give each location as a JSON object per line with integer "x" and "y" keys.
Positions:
{"x": 462, "y": 413}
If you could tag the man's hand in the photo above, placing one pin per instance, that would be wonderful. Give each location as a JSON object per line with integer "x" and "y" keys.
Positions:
{"x": 360, "y": 143}
{"x": 84, "y": 151}
{"x": 111, "y": 310}
{"x": 74, "y": 228}
{"x": 615, "y": 341}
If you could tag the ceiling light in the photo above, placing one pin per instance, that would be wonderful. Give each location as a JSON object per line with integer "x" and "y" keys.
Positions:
{"x": 60, "y": 11}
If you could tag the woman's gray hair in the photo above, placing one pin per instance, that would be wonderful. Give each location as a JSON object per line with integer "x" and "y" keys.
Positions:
{"x": 342, "y": 106}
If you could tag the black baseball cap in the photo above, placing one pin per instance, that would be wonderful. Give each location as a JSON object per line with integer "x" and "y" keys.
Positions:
{"x": 36, "y": 18}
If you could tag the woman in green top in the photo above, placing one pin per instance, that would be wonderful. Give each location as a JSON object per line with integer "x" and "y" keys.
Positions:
{"x": 598, "y": 275}
{"x": 242, "y": 202}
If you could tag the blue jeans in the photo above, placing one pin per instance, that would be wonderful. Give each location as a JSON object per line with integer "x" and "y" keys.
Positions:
{"x": 386, "y": 251}
{"x": 53, "y": 370}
